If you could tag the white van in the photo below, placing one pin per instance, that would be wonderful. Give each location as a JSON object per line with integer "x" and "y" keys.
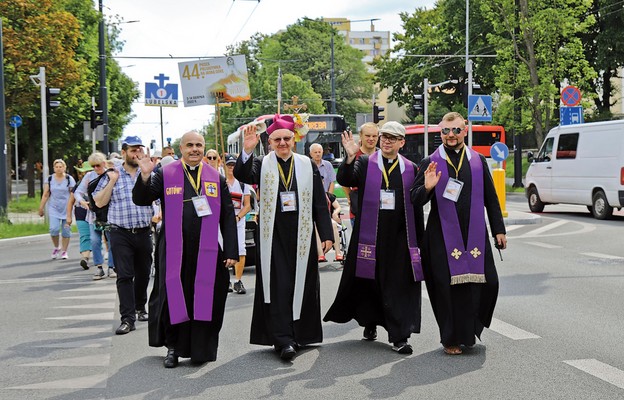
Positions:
{"x": 579, "y": 164}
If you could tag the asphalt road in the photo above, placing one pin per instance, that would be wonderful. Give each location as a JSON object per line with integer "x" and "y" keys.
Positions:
{"x": 556, "y": 335}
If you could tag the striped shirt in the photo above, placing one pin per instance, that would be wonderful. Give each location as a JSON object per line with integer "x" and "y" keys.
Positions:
{"x": 122, "y": 212}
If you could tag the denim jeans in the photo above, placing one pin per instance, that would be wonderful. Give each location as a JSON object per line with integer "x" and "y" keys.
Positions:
{"x": 96, "y": 247}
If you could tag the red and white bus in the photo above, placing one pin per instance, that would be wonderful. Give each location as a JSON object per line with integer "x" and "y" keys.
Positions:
{"x": 483, "y": 137}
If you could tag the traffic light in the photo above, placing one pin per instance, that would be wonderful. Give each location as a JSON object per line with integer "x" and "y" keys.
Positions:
{"x": 50, "y": 94}
{"x": 96, "y": 118}
{"x": 377, "y": 110}
{"x": 418, "y": 104}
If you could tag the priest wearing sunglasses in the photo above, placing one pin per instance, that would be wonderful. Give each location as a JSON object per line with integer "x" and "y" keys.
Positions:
{"x": 286, "y": 312}
{"x": 458, "y": 262}
{"x": 381, "y": 280}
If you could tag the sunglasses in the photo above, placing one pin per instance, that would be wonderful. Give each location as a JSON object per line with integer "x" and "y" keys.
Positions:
{"x": 456, "y": 131}
{"x": 285, "y": 139}
{"x": 211, "y": 157}
{"x": 96, "y": 165}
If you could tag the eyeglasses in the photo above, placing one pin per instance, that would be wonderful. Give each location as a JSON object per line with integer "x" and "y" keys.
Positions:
{"x": 389, "y": 139}
{"x": 456, "y": 131}
{"x": 96, "y": 165}
{"x": 211, "y": 157}
{"x": 285, "y": 139}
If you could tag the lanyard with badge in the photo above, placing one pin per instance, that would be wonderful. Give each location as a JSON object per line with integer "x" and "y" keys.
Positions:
{"x": 454, "y": 186}
{"x": 287, "y": 198}
{"x": 202, "y": 208}
{"x": 386, "y": 196}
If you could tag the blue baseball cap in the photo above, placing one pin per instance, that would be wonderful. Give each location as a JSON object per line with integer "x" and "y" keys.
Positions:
{"x": 132, "y": 141}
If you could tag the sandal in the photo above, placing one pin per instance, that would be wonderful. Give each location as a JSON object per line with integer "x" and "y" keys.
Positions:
{"x": 452, "y": 350}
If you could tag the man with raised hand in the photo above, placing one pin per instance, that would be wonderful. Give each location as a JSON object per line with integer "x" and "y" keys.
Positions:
{"x": 187, "y": 302}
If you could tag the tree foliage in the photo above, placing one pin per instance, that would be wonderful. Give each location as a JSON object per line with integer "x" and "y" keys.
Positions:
{"x": 61, "y": 36}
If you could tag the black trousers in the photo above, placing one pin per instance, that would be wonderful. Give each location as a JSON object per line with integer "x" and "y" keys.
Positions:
{"x": 133, "y": 260}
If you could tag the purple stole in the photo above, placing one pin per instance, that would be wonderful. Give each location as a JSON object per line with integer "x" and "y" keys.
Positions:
{"x": 173, "y": 181}
{"x": 369, "y": 215}
{"x": 466, "y": 263}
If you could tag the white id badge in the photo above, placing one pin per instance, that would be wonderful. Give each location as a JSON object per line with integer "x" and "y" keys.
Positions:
{"x": 289, "y": 201}
{"x": 202, "y": 208}
{"x": 386, "y": 199}
{"x": 453, "y": 189}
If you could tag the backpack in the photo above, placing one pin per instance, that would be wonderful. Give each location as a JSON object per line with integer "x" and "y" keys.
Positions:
{"x": 50, "y": 181}
{"x": 101, "y": 213}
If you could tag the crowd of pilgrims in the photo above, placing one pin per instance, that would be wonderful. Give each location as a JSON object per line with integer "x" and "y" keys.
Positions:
{"x": 200, "y": 204}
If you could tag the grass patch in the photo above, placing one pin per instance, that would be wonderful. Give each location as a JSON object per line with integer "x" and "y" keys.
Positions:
{"x": 509, "y": 171}
{"x": 25, "y": 204}
{"x": 510, "y": 189}
{"x": 8, "y": 230}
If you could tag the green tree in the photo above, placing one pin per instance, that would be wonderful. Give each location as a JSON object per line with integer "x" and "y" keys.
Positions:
{"x": 546, "y": 52}
{"x": 62, "y": 37}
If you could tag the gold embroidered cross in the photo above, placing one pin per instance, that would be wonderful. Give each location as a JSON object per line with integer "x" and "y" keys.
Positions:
{"x": 475, "y": 252}
{"x": 456, "y": 253}
{"x": 366, "y": 252}
{"x": 295, "y": 105}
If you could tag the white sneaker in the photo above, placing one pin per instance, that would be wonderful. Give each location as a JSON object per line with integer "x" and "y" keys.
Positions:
{"x": 64, "y": 255}
{"x": 112, "y": 273}
{"x": 55, "y": 253}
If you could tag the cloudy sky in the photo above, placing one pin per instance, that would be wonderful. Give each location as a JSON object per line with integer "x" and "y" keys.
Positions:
{"x": 201, "y": 28}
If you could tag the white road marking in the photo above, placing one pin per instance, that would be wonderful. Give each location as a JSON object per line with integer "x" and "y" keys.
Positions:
{"x": 86, "y": 382}
{"x": 510, "y": 331}
{"x": 600, "y": 255}
{"x": 80, "y": 344}
{"x": 546, "y": 228}
{"x": 96, "y": 305}
{"x": 107, "y": 288}
{"x": 513, "y": 227}
{"x": 98, "y": 360}
{"x": 600, "y": 370}
{"x": 105, "y": 296}
{"x": 544, "y": 245}
{"x": 88, "y": 317}
{"x": 41, "y": 280}
{"x": 92, "y": 329}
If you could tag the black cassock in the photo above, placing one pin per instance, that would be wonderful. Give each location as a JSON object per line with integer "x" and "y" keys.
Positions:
{"x": 463, "y": 310}
{"x": 198, "y": 340}
{"x": 272, "y": 324}
{"x": 393, "y": 299}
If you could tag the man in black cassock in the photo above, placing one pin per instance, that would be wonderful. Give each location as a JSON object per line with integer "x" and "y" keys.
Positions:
{"x": 286, "y": 310}
{"x": 380, "y": 284}
{"x": 179, "y": 319}
{"x": 459, "y": 266}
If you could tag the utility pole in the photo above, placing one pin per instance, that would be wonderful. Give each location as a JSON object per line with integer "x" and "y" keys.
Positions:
{"x": 40, "y": 80}
{"x": 333, "y": 80}
{"x": 103, "y": 88}
{"x": 517, "y": 113}
{"x": 4, "y": 201}
{"x": 468, "y": 69}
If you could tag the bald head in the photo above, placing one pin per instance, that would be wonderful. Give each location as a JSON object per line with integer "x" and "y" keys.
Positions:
{"x": 192, "y": 147}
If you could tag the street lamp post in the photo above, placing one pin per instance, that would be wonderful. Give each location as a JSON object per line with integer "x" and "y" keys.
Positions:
{"x": 103, "y": 89}
{"x": 426, "y": 87}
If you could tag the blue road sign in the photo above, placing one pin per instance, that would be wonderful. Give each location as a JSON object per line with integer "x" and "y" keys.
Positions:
{"x": 16, "y": 121}
{"x": 571, "y": 115}
{"x": 159, "y": 94}
{"x": 479, "y": 108}
{"x": 499, "y": 152}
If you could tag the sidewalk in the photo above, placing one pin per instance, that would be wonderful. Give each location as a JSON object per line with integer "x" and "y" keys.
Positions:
{"x": 24, "y": 218}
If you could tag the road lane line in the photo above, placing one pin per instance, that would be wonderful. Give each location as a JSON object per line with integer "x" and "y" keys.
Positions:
{"x": 80, "y": 344}
{"x": 107, "y": 316}
{"x": 513, "y": 227}
{"x": 544, "y": 245}
{"x": 91, "y": 329}
{"x": 86, "y": 382}
{"x": 90, "y": 306}
{"x": 545, "y": 228}
{"x": 510, "y": 331}
{"x": 600, "y": 370}
{"x": 600, "y": 255}
{"x": 97, "y": 360}
{"x": 105, "y": 296}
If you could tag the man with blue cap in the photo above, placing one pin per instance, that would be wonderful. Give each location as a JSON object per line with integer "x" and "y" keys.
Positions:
{"x": 130, "y": 234}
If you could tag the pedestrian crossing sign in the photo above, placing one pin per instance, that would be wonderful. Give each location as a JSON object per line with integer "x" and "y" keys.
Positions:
{"x": 479, "y": 108}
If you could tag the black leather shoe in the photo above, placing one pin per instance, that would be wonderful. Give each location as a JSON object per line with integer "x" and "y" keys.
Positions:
{"x": 287, "y": 353}
{"x": 125, "y": 327}
{"x": 402, "y": 348}
{"x": 370, "y": 332}
{"x": 142, "y": 316}
{"x": 171, "y": 359}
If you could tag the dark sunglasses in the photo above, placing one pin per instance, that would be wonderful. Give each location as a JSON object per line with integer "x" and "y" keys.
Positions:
{"x": 96, "y": 165}
{"x": 211, "y": 157}
{"x": 456, "y": 131}
{"x": 285, "y": 139}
